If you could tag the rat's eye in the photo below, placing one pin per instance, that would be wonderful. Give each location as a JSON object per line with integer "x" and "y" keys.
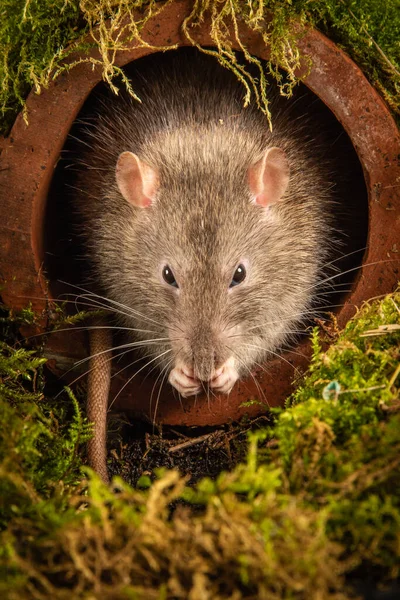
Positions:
{"x": 168, "y": 276}
{"x": 238, "y": 276}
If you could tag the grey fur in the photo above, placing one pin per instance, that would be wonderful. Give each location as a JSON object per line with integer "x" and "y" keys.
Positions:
{"x": 191, "y": 127}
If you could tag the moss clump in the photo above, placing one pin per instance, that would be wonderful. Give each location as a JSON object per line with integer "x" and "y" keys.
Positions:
{"x": 33, "y": 38}
{"x": 40, "y": 437}
{"x": 316, "y": 498}
{"x": 357, "y": 376}
{"x": 38, "y": 37}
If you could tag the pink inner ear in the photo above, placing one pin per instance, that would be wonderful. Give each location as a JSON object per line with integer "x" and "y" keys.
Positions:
{"x": 269, "y": 177}
{"x": 136, "y": 180}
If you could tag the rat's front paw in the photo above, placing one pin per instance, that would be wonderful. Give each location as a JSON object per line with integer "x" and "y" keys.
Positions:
{"x": 225, "y": 377}
{"x": 183, "y": 380}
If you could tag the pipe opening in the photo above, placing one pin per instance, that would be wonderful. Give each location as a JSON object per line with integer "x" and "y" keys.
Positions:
{"x": 64, "y": 258}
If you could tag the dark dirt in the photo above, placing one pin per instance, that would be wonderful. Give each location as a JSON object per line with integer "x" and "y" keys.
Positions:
{"x": 136, "y": 449}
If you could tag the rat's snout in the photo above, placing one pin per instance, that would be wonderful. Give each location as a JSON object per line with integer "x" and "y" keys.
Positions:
{"x": 206, "y": 353}
{"x": 205, "y": 363}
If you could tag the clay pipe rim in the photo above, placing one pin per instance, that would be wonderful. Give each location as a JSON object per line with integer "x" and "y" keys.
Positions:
{"x": 333, "y": 77}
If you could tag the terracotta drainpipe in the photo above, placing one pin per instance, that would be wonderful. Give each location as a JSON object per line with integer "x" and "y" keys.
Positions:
{"x": 30, "y": 153}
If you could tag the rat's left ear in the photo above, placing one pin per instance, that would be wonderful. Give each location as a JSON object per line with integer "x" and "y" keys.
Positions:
{"x": 269, "y": 177}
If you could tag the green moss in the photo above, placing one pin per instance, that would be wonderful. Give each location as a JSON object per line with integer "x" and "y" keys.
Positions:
{"x": 317, "y": 497}
{"x": 40, "y": 437}
{"x": 37, "y": 38}
{"x": 33, "y": 37}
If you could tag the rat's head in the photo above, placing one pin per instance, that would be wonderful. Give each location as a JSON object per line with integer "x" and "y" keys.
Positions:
{"x": 205, "y": 261}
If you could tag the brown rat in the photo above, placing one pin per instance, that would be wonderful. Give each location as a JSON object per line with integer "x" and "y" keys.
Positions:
{"x": 205, "y": 228}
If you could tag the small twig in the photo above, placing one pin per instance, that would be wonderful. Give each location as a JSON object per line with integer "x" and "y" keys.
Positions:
{"x": 394, "y": 376}
{"x": 192, "y": 442}
{"x": 395, "y": 305}
{"x": 368, "y": 389}
{"x": 114, "y": 453}
{"x": 148, "y": 444}
{"x": 381, "y": 330}
{"x": 179, "y": 434}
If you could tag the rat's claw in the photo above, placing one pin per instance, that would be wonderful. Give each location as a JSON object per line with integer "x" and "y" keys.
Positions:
{"x": 181, "y": 378}
{"x": 225, "y": 377}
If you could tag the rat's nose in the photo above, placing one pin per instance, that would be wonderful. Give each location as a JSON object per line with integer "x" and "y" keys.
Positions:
{"x": 205, "y": 367}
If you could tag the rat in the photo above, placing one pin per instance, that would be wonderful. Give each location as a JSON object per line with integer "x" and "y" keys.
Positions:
{"x": 205, "y": 229}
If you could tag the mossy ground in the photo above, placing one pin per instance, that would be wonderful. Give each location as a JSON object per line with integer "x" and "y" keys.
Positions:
{"x": 309, "y": 502}
{"x": 314, "y": 500}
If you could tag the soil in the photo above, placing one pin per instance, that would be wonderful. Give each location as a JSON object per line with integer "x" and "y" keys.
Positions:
{"x": 136, "y": 448}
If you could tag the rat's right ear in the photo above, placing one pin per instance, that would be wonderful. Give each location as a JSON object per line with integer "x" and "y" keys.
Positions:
{"x": 136, "y": 180}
